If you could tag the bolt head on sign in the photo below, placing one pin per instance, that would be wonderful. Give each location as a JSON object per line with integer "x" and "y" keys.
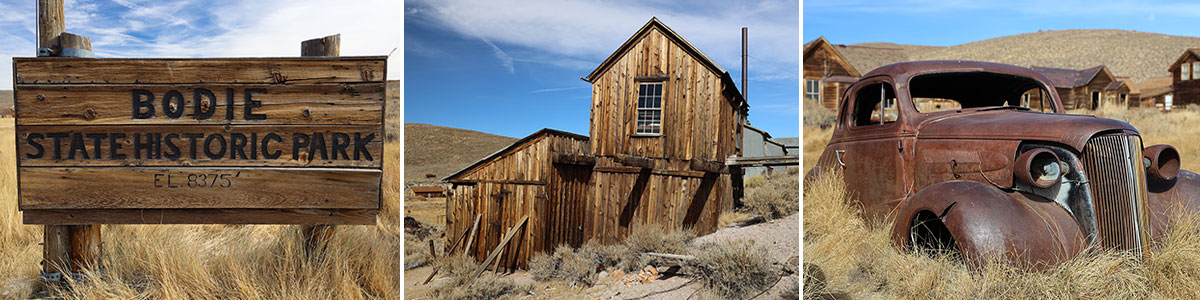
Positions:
{"x": 191, "y": 141}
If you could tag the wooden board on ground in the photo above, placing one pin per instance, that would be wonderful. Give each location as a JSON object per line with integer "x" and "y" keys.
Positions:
{"x": 187, "y": 141}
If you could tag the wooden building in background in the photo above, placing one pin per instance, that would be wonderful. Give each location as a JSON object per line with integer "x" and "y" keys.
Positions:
{"x": 428, "y": 191}
{"x": 1085, "y": 89}
{"x": 827, "y": 74}
{"x": 664, "y": 118}
{"x": 1185, "y": 78}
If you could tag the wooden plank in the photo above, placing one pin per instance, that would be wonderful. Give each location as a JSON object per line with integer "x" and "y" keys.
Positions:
{"x": 280, "y": 70}
{"x": 500, "y": 247}
{"x": 200, "y": 216}
{"x": 91, "y": 104}
{"x": 787, "y": 160}
{"x": 574, "y": 158}
{"x": 634, "y": 161}
{"x": 201, "y": 145}
{"x": 476, "y": 181}
{"x": 150, "y": 187}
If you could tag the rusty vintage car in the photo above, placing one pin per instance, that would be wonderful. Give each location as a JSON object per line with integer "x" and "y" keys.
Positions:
{"x": 980, "y": 158}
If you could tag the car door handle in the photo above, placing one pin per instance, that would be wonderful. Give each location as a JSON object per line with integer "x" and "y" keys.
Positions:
{"x": 838, "y": 155}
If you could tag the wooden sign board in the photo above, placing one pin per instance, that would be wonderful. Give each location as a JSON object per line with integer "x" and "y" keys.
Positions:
{"x": 200, "y": 141}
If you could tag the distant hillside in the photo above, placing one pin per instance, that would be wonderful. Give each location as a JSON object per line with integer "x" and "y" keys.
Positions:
{"x": 431, "y": 149}
{"x": 6, "y": 99}
{"x": 1139, "y": 55}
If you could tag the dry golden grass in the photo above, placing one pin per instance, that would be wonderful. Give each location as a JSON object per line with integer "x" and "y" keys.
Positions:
{"x": 211, "y": 261}
{"x": 846, "y": 257}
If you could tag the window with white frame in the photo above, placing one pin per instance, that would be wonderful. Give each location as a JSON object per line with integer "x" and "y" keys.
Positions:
{"x": 1183, "y": 72}
{"x": 649, "y": 109}
{"x": 1196, "y": 70}
{"x": 812, "y": 89}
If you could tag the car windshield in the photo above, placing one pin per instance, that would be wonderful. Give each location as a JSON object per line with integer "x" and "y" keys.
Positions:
{"x": 952, "y": 91}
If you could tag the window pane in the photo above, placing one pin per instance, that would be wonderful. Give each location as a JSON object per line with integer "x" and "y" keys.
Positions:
{"x": 1183, "y": 73}
{"x": 649, "y": 109}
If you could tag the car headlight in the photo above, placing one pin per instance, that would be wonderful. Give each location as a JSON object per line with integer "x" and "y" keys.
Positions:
{"x": 1038, "y": 168}
{"x": 1162, "y": 162}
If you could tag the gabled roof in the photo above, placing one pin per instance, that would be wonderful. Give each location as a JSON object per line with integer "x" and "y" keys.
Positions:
{"x": 1133, "y": 87}
{"x": 1155, "y": 86}
{"x": 513, "y": 147}
{"x": 1067, "y": 78}
{"x": 1189, "y": 52}
{"x": 821, "y": 41}
{"x": 688, "y": 47}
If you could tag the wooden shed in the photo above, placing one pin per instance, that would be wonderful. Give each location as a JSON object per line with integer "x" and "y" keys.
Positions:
{"x": 1185, "y": 78}
{"x": 664, "y": 117}
{"x": 1084, "y": 89}
{"x": 520, "y": 181}
{"x": 827, "y": 73}
{"x": 428, "y": 191}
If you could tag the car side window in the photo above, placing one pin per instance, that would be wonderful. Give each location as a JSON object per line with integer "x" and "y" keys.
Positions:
{"x": 875, "y": 104}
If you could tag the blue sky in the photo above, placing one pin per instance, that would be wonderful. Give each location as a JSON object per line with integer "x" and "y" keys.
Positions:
{"x": 513, "y": 67}
{"x": 953, "y": 22}
{"x": 215, "y": 28}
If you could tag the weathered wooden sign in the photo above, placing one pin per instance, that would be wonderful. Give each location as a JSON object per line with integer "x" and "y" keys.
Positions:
{"x": 234, "y": 141}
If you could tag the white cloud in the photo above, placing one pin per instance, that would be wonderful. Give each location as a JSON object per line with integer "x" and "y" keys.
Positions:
{"x": 221, "y": 28}
{"x": 590, "y": 30}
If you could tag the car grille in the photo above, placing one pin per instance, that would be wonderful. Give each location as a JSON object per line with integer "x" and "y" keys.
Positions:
{"x": 1113, "y": 164}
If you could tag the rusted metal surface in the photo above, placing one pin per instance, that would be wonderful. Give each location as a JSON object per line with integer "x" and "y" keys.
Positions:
{"x": 962, "y": 166}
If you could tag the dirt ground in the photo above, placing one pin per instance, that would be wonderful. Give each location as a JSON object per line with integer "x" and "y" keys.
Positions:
{"x": 780, "y": 236}
{"x": 426, "y": 210}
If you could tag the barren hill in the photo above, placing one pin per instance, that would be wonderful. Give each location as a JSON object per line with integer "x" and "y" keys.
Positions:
{"x": 1139, "y": 55}
{"x": 432, "y": 149}
{"x": 6, "y": 99}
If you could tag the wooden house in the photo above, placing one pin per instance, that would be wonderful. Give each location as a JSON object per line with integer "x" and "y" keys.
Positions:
{"x": 1084, "y": 89}
{"x": 827, "y": 74}
{"x": 1154, "y": 92}
{"x": 1185, "y": 78}
{"x": 428, "y": 191}
{"x": 664, "y": 117}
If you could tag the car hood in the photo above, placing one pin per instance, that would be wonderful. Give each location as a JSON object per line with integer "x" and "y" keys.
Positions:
{"x": 1068, "y": 129}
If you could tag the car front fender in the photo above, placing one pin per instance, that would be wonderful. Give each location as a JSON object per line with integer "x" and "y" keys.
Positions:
{"x": 986, "y": 222}
{"x": 1172, "y": 200}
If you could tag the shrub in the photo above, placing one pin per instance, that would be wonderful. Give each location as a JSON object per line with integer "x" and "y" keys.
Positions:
{"x": 565, "y": 264}
{"x": 652, "y": 239}
{"x": 774, "y": 196}
{"x": 459, "y": 282}
{"x": 816, "y": 115}
{"x": 734, "y": 270}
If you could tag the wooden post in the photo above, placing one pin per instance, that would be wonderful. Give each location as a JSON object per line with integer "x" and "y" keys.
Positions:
{"x": 56, "y": 252}
{"x": 316, "y": 237}
{"x": 66, "y": 249}
{"x": 50, "y": 25}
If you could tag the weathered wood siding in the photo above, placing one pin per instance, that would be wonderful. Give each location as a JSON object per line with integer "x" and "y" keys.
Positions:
{"x": 698, "y": 120}
{"x": 529, "y": 162}
{"x": 626, "y": 199}
{"x": 501, "y": 206}
{"x": 520, "y": 182}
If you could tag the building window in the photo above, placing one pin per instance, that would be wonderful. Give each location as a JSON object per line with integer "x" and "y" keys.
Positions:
{"x": 1196, "y": 70}
{"x": 812, "y": 89}
{"x": 1183, "y": 72}
{"x": 649, "y": 109}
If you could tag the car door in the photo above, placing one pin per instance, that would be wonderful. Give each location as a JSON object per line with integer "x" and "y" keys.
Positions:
{"x": 871, "y": 149}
